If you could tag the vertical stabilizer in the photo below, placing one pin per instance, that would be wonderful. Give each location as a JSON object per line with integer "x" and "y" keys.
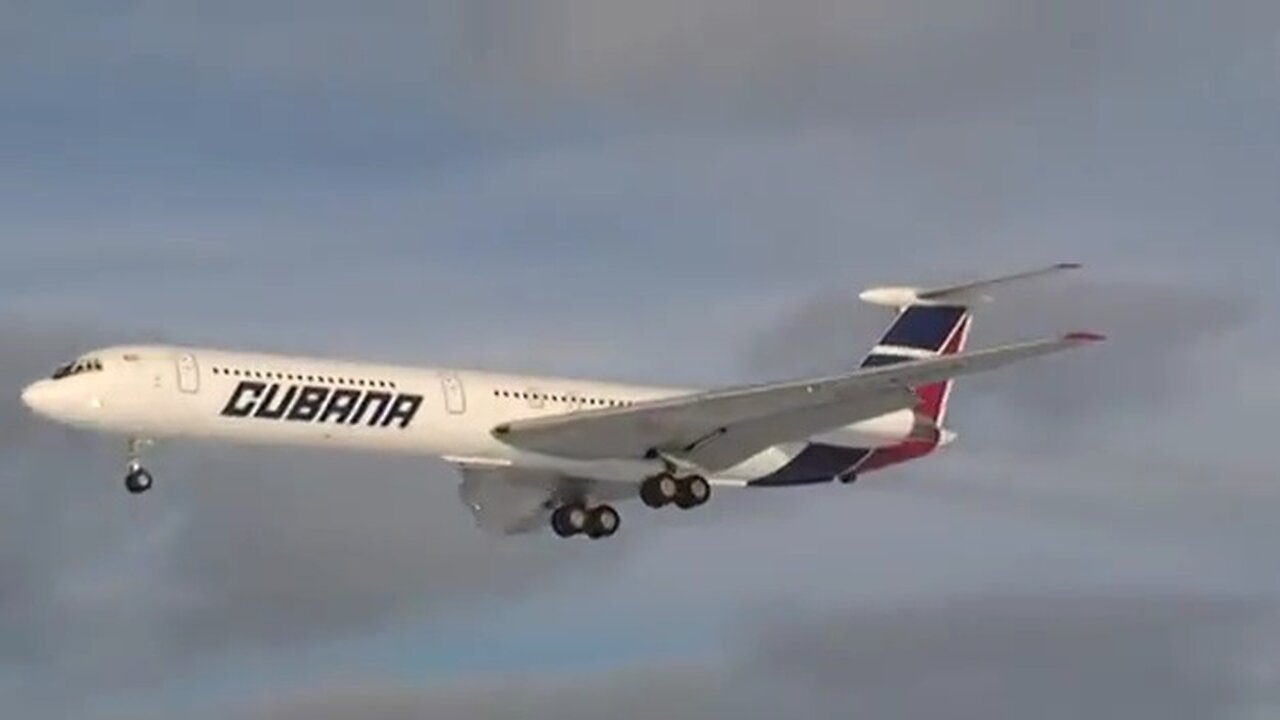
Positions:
{"x": 925, "y": 331}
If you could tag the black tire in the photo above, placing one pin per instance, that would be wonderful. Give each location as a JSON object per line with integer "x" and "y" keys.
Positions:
{"x": 603, "y": 523}
{"x": 560, "y": 523}
{"x": 651, "y": 495}
{"x": 138, "y": 481}
{"x": 694, "y": 491}
{"x": 570, "y": 520}
{"x": 699, "y": 489}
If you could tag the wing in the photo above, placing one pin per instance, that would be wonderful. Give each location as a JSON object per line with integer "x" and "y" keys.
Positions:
{"x": 509, "y": 501}
{"x": 717, "y": 429}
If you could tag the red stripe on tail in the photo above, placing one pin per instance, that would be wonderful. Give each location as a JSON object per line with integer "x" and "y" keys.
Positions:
{"x": 933, "y": 398}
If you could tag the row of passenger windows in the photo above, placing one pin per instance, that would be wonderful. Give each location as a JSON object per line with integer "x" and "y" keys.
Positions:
{"x": 551, "y": 397}
{"x": 330, "y": 379}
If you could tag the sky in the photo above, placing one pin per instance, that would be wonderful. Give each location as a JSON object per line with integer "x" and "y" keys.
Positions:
{"x": 681, "y": 192}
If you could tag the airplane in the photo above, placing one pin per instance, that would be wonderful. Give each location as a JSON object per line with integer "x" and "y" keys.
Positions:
{"x": 537, "y": 452}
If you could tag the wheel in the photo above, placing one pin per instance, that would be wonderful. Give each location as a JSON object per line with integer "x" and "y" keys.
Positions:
{"x": 699, "y": 489}
{"x": 652, "y": 493}
{"x": 559, "y": 525}
{"x": 569, "y": 520}
{"x": 693, "y": 492}
{"x": 138, "y": 480}
{"x": 604, "y": 522}
{"x": 660, "y": 490}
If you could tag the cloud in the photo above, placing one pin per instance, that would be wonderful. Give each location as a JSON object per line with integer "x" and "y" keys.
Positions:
{"x": 1053, "y": 656}
{"x": 678, "y": 692}
{"x": 1143, "y": 656}
{"x": 698, "y": 59}
{"x": 890, "y": 58}
{"x": 280, "y": 550}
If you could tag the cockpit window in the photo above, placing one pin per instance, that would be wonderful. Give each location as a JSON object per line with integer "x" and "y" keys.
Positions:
{"x": 83, "y": 365}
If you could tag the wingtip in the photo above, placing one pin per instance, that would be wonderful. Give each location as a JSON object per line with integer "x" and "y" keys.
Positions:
{"x": 1084, "y": 337}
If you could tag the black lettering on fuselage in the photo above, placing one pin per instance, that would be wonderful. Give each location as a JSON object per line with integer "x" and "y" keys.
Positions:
{"x": 383, "y": 399}
{"x": 403, "y": 409}
{"x": 316, "y": 403}
{"x": 341, "y": 403}
{"x": 243, "y": 399}
{"x": 309, "y": 402}
{"x": 275, "y": 413}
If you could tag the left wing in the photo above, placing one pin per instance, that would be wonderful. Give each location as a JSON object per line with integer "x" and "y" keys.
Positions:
{"x": 509, "y": 501}
{"x": 761, "y": 415}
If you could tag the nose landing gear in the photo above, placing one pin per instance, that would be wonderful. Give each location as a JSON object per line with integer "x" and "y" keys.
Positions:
{"x": 137, "y": 479}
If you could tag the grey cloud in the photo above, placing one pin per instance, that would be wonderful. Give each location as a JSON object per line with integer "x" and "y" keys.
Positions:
{"x": 280, "y": 550}
{"x": 1140, "y": 656}
{"x": 1047, "y": 657}
{"x": 686, "y": 692}
{"x": 871, "y": 59}
{"x": 867, "y": 59}
{"x": 1156, "y": 334}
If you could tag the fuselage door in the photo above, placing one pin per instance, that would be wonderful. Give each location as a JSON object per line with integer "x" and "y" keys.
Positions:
{"x": 188, "y": 373}
{"x": 455, "y": 397}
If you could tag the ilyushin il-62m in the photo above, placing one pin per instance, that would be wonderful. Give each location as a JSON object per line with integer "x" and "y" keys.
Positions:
{"x": 537, "y": 452}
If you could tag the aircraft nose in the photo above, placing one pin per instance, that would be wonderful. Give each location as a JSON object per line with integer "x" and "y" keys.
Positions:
{"x": 36, "y": 395}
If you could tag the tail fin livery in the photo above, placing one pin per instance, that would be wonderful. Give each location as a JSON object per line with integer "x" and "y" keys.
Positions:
{"x": 925, "y": 331}
{"x": 931, "y": 322}
{"x": 936, "y": 321}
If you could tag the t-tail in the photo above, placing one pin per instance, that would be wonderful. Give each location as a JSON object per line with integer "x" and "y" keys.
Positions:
{"x": 930, "y": 322}
{"x": 920, "y": 332}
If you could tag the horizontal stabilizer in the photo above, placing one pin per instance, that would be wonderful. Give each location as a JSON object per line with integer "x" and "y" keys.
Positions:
{"x": 961, "y": 294}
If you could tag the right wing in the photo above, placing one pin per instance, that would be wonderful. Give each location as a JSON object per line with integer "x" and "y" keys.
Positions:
{"x": 716, "y": 430}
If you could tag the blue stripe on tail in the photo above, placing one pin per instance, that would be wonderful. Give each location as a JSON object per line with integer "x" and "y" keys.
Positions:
{"x": 924, "y": 327}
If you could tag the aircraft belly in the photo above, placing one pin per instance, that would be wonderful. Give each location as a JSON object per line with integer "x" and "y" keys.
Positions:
{"x": 883, "y": 431}
{"x": 618, "y": 470}
{"x": 762, "y": 464}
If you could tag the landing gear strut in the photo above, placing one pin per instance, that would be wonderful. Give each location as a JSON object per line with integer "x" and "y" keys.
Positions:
{"x": 137, "y": 479}
{"x": 572, "y": 519}
{"x": 667, "y": 489}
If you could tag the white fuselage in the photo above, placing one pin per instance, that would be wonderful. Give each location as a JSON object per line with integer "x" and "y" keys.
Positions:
{"x": 160, "y": 392}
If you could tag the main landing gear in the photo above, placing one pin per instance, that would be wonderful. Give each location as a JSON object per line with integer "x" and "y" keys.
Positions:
{"x": 137, "y": 479}
{"x": 667, "y": 489}
{"x": 576, "y": 518}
